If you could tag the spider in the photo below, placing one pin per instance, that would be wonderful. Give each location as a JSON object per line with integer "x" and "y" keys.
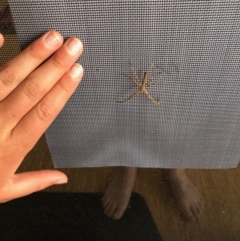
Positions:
{"x": 142, "y": 85}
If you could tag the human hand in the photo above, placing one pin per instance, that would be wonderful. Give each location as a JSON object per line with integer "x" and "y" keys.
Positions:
{"x": 32, "y": 93}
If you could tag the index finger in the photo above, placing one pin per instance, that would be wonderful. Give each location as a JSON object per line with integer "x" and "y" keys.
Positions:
{"x": 17, "y": 69}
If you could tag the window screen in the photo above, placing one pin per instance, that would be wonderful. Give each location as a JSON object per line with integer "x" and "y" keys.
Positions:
{"x": 190, "y": 52}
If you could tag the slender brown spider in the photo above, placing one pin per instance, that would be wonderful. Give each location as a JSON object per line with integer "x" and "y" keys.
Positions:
{"x": 142, "y": 85}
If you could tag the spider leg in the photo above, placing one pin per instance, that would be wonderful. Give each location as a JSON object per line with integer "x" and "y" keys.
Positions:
{"x": 130, "y": 97}
{"x": 151, "y": 98}
{"x": 135, "y": 73}
{"x": 152, "y": 73}
{"x": 154, "y": 82}
{"x": 134, "y": 80}
{"x": 150, "y": 81}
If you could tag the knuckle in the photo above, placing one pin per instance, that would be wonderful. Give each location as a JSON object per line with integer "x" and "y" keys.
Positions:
{"x": 33, "y": 90}
{"x": 39, "y": 184}
{"x": 64, "y": 88}
{"x": 46, "y": 110}
{"x": 8, "y": 77}
{"x": 38, "y": 187}
{"x": 33, "y": 53}
{"x": 59, "y": 64}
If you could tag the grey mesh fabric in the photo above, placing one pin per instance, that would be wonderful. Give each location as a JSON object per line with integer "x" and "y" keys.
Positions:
{"x": 195, "y": 49}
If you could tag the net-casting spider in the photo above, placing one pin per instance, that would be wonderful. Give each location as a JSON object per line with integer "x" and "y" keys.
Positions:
{"x": 142, "y": 85}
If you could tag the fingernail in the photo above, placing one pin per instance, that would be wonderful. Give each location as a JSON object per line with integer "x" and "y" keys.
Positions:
{"x": 76, "y": 71}
{"x": 52, "y": 39}
{"x": 73, "y": 46}
{"x": 61, "y": 181}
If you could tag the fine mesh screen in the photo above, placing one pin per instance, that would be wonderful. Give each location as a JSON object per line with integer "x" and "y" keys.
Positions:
{"x": 194, "y": 47}
{"x": 11, "y": 46}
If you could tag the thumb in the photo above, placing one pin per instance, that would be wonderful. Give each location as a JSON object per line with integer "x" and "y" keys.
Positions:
{"x": 26, "y": 183}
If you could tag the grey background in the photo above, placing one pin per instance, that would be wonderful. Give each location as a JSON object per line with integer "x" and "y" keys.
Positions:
{"x": 194, "y": 46}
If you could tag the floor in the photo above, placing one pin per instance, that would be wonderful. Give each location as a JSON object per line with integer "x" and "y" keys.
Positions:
{"x": 220, "y": 188}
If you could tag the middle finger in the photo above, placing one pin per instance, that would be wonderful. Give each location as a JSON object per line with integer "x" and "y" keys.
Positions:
{"x": 40, "y": 82}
